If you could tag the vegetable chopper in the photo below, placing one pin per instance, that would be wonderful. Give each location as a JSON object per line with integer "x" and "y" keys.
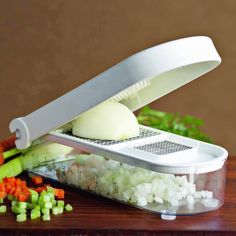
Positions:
{"x": 134, "y": 82}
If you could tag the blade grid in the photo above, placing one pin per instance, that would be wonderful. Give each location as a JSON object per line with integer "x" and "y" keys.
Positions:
{"x": 143, "y": 133}
{"x": 163, "y": 147}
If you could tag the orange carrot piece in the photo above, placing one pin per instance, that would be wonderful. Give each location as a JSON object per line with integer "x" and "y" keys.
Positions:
{"x": 1, "y": 159}
{"x": 40, "y": 189}
{"x": 7, "y": 144}
{"x": 22, "y": 197}
{"x": 2, "y": 194}
{"x": 61, "y": 194}
{"x": 37, "y": 179}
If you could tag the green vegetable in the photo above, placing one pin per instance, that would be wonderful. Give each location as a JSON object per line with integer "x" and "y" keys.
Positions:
{"x": 10, "y": 197}
{"x": 11, "y": 168}
{"x": 33, "y": 196}
{"x": 187, "y": 126}
{"x": 47, "y": 205}
{"x": 1, "y": 200}
{"x": 3, "y": 209}
{"x": 32, "y": 157}
{"x": 46, "y": 211}
{"x": 14, "y": 203}
{"x": 46, "y": 217}
{"x": 22, "y": 205}
{"x": 34, "y": 214}
{"x": 60, "y": 203}
{"x": 57, "y": 210}
{"x": 21, "y": 218}
{"x": 18, "y": 210}
{"x": 68, "y": 207}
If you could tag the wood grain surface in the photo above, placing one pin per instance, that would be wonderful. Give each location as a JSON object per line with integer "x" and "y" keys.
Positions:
{"x": 94, "y": 215}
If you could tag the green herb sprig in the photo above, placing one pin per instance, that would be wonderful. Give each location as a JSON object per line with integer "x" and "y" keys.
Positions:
{"x": 188, "y": 126}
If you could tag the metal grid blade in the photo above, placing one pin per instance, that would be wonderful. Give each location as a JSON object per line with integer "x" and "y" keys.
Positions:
{"x": 163, "y": 147}
{"x": 143, "y": 133}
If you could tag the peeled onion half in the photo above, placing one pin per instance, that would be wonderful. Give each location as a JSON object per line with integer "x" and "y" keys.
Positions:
{"x": 107, "y": 121}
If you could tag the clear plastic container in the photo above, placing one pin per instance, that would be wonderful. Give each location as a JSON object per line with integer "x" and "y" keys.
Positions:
{"x": 167, "y": 194}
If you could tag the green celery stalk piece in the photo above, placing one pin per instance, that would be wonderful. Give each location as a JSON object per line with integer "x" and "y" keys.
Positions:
{"x": 60, "y": 203}
{"x": 21, "y": 217}
{"x": 34, "y": 214}
{"x": 46, "y": 211}
{"x": 68, "y": 207}
{"x": 47, "y": 205}
{"x": 17, "y": 210}
{"x": 56, "y": 210}
{"x": 46, "y": 198}
{"x": 10, "y": 197}
{"x": 3, "y": 209}
{"x": 33, "y": 196}
{"x": 11, "y": 168}
{"x": 46, "y": 217}
{"x": 14, "y": 203}
{"x": 22, "y": 205}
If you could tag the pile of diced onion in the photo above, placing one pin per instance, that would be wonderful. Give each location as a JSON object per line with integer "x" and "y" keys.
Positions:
{"x": 133, "y": 184}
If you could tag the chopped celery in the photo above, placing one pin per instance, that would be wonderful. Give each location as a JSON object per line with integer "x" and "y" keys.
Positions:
{"x": 29, "y": 205}
{"x": 46, "y": 198}
{"x": 22, "y": 205}
{"x": 54, "y": 202}
{"x": 35, "y": 214}
{"x": 18, "y": 210}
{"x": 37, "y": 207}
{"x": 33, "y": 196}
{"x": 21, "y": 217}
{"x": 60, "y": 203}
{"x": 47, "y": 205}
{"x": 3, "y": 209}
{"x": 10, "y": 197}
{"x": 46, "y": 217}
{"x": 14, "y": 203}
{"x": 57, "y": 210}
{"x": 68, "y": 207}
{"x": 1, "y": 200}
{"x": 46, "y": 211}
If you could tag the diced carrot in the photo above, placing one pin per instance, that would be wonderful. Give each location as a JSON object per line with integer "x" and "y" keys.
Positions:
{"x": 1, "y": 159}
{"x": 18, "y": 182}
{"x": 61, "y": 194}
{"x": 40, "y": 189}
{"x": 23, "y": 183}
{"x": 9, "y": 180}
{"x": 12, "y": 191}
{"x": 22, "y": 197}
{"x": 17, "y": 191}
{"x": 37, "y": 179}
{"x": 2, "y": 194}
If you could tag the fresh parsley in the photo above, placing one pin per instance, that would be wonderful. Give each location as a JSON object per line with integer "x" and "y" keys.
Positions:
{"x": 188, "y": 126}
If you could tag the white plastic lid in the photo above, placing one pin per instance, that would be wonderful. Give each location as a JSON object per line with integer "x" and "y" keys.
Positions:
{"x": 167, "y": 67}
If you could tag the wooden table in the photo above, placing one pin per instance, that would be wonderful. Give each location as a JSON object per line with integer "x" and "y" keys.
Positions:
{"x": 98, "y": 216}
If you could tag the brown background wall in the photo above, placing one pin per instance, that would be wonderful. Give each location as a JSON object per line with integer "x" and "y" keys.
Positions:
{"x": 49, "y": 47}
